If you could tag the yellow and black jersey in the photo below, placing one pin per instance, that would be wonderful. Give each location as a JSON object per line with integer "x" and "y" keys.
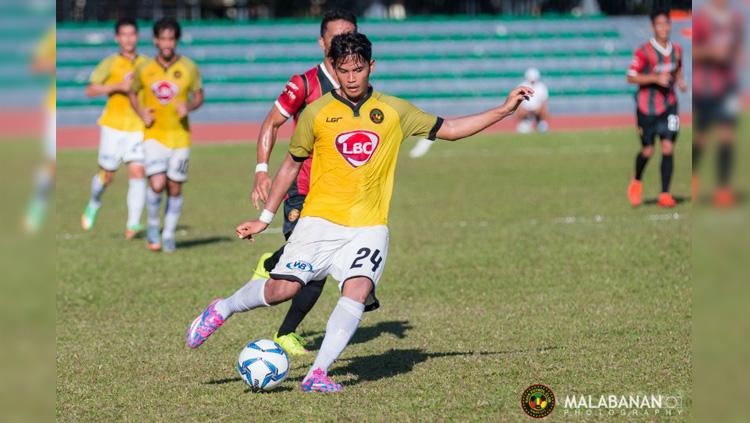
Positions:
{"x": 356, "y": 147}
{"x": 117, "y": 113}
{"x": 164, "y": 87}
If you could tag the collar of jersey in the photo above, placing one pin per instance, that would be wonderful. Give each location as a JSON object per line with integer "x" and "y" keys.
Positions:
{"x": 335, "y": 83}
{"x": 664, "y": 51}
{"x": 161, "y": 65}
{"x": 354, "y": 107}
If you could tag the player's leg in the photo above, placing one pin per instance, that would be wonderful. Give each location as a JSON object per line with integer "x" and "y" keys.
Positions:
{"x": 523, "y": 120}
{"x": 156, "y": 158}
{"x": 44, "y": 179}
{"x": 668, "y": 127}
{"x": 702, "y": 114}
{"x": 647, "y": 134}
{"x": 109, "y": 160}
{"x": 359, "y": 266}
{"x": 724, "y": 197}
{"x": 542, "y": 124}
{"x": 176, "y": 176}
{"x": 136, "y": 198}
{"x": 254, "y": 294}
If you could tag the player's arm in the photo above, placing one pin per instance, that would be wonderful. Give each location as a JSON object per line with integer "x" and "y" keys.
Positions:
{"x": 466, "y": 126}
{"x": 281, "y": 183}
{"x": 637, "y": 77}
{"x": 146, "y": 113}
{"x": 195, "y": 101}
{"x": 266, "y": 140}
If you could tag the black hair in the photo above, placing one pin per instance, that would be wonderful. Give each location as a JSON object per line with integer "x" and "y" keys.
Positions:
{"x": 658, "y": 12}
{"x": 167, "y": 23}
{"x": 351, "y": 44}
{"x": 337, "y": 15}
{"x": 125, "y": 22}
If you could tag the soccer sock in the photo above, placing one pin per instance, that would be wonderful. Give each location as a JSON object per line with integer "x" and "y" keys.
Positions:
{"x": 248, "y": 297}
{"x": 341, "y": 327}
{"x": 153, "y": 200}
{"x": 667, "y": 166}
{"x": 171, "y": 216}
{"x": 725, "y": 158}
{"x": 136, "y": 200}
{"x": 697, "y": 153}
{"x": 302, "y": 303}
{"x": 43, "y": 185}
{"x": 640, "y": 164}
{"x": 97, "y": 189}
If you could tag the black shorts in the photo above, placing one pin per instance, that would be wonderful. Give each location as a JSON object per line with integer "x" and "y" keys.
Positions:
{"x": 719, "y": 109}
{"x": 665, "y": 125}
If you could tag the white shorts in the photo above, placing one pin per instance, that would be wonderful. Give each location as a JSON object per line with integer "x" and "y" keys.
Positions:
{"x": 318, "y": 248}
{"x": 162, "y": 159}
{"x": 117, "y": 147}
{"x": 50, "y": 136}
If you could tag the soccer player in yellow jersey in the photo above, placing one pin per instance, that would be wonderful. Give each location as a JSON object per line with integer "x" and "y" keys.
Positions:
{"x": 171, "y": 88}
{"x": 44, "y": 62}
{"x": 121, "y": 138}
{"x": 356, "y": 133}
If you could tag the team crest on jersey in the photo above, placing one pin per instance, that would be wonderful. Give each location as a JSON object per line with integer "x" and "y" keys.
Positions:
{"x": 376, "y": 115}
{"x": 165, "y": 91}
{"x": 177, "y": 74}
{"x": 357, "y": 147}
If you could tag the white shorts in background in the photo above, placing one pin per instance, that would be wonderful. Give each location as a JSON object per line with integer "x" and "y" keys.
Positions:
{"x": 117, "y": 147}
{"x": 318, "y": 248}
{"x": 50, "y": 136}
{"x": 162, "y": 159}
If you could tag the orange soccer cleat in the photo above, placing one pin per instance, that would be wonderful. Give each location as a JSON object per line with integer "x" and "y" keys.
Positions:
{"x": 724, "y": 198}
{"x": 634, "y": 192}
{"x": 666, "y": 200}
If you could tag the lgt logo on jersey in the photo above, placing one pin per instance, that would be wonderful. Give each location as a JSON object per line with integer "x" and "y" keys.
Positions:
{"x": 165, "y": 91}
{"x": 357, "y": 147}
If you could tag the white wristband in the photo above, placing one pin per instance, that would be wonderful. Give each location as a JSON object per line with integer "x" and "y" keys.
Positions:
{"x": 261, "y": 167}
{"x": 266, "y": 216}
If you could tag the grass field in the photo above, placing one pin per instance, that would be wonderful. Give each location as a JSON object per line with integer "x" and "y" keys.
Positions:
{"x": 513, "y": 261}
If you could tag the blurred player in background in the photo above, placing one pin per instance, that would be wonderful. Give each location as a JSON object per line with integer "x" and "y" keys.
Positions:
{"x": 356, "y": 134}
{"x": 534, "y": 114}
{"x": 300, "y": 91}
{"x": 172, "y": 88}
{"x": 717, "y": 45}
{"x": 45, "y": 62}
{"x": 656, "y": 68}
{"x": 121, "y": 138}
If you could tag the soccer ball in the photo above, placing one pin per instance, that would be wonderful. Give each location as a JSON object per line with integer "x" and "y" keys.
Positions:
{"x": 263, "y": 364}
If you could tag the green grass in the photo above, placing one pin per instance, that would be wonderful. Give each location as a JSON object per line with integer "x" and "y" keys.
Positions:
{"x": 499, "y": 275}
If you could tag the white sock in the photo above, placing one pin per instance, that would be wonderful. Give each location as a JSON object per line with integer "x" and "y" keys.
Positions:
{"x": 341, "y": 327}
{"x": 97, "y": 189}
{"x": 421, "y": 148}
{"x": 136, "y": 200}
{"x": 246, "y": 298}
{"x": 171, "y": 216}
{"x": 153, "y": 200}
{"x": 44, "y": 182}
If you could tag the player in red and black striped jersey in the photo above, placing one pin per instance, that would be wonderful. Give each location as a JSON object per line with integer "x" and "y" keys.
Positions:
{"x": 301, "y": 90}
{"x": 656, "y": 69}
{"x": 717, "y": 45}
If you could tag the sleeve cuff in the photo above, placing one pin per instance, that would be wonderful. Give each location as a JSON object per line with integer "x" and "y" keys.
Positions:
{"x": 298, "y": 159}
{"x": 435, "y": 128}
{"x": 281, "y": 109}
{"x": 632, "y": 72}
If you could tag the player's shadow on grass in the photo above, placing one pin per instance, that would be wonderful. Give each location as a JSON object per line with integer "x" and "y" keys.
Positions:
{"x": 197, "y": 242}
{"x": 396, "y": 328}
{"x": 395, "y": 362}
{"x": 677, "y": 198}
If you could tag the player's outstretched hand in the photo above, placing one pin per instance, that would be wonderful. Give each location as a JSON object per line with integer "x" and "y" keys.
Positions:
{"x": 519, "y": 94}
{"x": 261, "y": 189}
{"x": 246, "y": 230}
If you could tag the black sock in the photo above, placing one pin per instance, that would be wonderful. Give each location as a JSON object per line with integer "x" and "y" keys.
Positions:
{"x": 667, "y": 165}
{"x": 640, "y": 164}
{"x": 302, "y": 303}
{"x": 725, "y": 158}
{"x": 697, "y": 153}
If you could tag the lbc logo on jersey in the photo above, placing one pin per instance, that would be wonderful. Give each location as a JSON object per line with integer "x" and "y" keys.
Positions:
{"x": 165, "y": 91}
{"x": 357, "y": 147}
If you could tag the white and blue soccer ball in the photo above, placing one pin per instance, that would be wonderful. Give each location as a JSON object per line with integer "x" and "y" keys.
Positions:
{"x": 263, "y": 364}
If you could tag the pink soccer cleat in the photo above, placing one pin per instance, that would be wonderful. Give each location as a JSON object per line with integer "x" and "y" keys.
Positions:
{"x": 204, "y": 325}
{"x": 319, "y": 382}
